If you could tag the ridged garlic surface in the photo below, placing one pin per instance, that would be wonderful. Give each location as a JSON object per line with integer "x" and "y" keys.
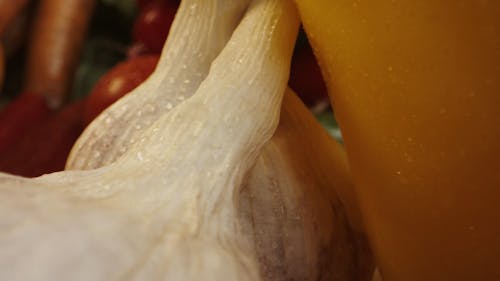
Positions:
{"x": 165, "y": 210}
{"x": 204, "y": 189}
{"x": 199, "y": 32}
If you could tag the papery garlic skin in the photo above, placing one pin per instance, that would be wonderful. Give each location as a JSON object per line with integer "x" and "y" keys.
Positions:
{"x": 199, "y": 32}
{"x": 50, "y": 234}
{"x": 291, "y": 206}
{"x": 166, "y": 209}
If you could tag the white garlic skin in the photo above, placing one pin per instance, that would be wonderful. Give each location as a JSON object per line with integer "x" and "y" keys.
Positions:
{"x": 174, "y": 206}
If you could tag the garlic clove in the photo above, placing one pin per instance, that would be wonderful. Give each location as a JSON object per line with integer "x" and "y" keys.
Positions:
{"x": 291, "y": 207}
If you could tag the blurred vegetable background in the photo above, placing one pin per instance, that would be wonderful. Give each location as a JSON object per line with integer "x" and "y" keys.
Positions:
{"x": 63, "y": 62}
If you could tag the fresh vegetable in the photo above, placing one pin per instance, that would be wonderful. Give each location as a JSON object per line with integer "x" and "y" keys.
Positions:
{"x": 20, "y": 116}
{"x": 2, "y": 66}
{"x": 9, "y": 10}
{"x": 13, "y": 24}
{"x": 152, "y": 25}
{"x": 173, "y": 205}
{"x": 415, "y": 87}
{"x": 184, "y": 64}
{"x": 57, "y": 38}
{"x": 44, "y": 148}
{"x": 302, "y": 162}
{"x": 120, "y": 80}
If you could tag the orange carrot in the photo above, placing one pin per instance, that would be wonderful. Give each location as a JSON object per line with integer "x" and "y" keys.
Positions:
{"x": 14, "y": 20}
{"x": 9, "y": 9}
{"x": 57, "y": 38}
{"x": 2, "y": 66}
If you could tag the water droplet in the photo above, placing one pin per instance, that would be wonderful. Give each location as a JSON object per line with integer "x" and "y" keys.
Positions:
{"x": 139, "y": 156}
{"x": 150, "y": 108}
{"x": 227, "y": 118}
{"x": 408, "y": 157}
{"x": 192, "y": 9}
{"x": 197, "y": 128}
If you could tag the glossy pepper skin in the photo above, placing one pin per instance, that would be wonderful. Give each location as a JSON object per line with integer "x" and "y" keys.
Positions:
{"x": 416, "y": 90}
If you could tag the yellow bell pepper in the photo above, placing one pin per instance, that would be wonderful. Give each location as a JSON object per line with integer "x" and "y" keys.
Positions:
{"x": 416, "y": 90}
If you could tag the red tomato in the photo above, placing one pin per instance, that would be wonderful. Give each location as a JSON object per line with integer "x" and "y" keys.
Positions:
{"x": 142, "y": 3}
{"x": 152, "y": 25}
{"x": 44, "y": 148}
{"x": 306, "y": 78}
{"x": 117, "y": 82}
{"x": 20, "y": 116}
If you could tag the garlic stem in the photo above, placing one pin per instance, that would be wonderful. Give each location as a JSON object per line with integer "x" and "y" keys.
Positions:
{"x": 199, "y": 32}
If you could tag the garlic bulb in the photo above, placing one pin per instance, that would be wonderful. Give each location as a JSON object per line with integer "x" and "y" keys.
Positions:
{"x": 299, "y": 225}
{"x": 93, "y": 150}
{"x": 202, "y": 193}
{"x": 165, "y": 210}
